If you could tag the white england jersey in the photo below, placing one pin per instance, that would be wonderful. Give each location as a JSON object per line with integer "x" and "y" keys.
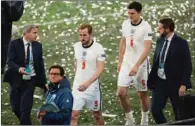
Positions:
{"x": 135, "y": 36}
{"x": 86, "y": 64}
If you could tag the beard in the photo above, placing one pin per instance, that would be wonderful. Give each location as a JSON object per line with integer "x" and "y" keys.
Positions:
{"x": 85, "y": 43}
{"x": 163, "y": 34}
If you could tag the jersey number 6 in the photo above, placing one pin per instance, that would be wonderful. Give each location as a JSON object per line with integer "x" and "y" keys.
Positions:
{"x": 83, "y": 65}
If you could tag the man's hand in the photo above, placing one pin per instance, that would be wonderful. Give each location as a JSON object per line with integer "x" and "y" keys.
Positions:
{"x": 40, "y": 115}
{"x": 182, "y": 90}
{"x": 118, "y": 67}
{"x": 134, "y": 70}
{"x": 45, "y": 88}
{"x": 22, "y": 70}
{"x": 83, "y": 86}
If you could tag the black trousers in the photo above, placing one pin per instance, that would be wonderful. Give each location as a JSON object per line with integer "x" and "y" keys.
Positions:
{"x": 21, "y": 98}
{"x": 160, "y": 94}
{"x": 5, "y": 39}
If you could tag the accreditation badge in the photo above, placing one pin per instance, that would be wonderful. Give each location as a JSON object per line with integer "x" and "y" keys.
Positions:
{"x": 27, "y": 76}
{"x": 161, "y": 70}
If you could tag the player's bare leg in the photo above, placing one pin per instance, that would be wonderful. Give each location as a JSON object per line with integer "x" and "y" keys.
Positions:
{"x": 99, "y": 119}
{"x": 125, "y": 104}
{"x": 144, "y": 100}
{"x": 75, "y": 117}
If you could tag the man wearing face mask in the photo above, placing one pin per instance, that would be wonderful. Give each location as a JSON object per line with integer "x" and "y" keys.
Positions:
{"x": 171, "y": 70}
{"x": 90, "y": 59}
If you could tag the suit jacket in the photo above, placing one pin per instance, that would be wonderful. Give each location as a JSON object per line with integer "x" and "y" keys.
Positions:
{"x": 16, "y": 59}
{"x": 178, "y": 66}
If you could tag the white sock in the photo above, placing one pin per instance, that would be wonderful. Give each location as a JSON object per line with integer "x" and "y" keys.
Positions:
{"x": 130, "y": 119}
{"x": 144, "y": 120}
{"x": 129, "y": 114}
{"x": 145, "y": 114}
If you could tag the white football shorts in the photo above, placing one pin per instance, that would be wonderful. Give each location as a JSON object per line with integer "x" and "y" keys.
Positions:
{"x": 139, "y": 80}
{"x": 91, "y": 99}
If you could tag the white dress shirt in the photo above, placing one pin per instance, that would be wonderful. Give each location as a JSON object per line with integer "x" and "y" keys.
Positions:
{"x": 166, "y": 51}
{"x": 31, "y": 63}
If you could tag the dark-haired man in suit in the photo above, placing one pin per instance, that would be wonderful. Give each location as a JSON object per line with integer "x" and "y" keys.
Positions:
{"x": 171, "y": 70}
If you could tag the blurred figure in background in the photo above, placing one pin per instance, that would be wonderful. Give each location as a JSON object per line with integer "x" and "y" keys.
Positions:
{"x": 10, "y": 11}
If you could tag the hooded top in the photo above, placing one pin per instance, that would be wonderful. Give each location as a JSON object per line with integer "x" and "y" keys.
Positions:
{"x": 61, "y": 96}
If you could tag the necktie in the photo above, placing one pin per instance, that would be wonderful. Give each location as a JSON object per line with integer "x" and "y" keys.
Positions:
{"x": 28, "y": 53}
{"x": 163, "y": 52}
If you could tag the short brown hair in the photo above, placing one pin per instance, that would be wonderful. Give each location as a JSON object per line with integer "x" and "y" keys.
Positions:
{"x": 168, "y": 23}
{"x": 88, "y": 26}
{"x": 28, "y": 28}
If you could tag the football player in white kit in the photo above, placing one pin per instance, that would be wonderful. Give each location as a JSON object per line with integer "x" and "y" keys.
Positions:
{"x": 90, "y": 59}
{"x": 133, "y": 63}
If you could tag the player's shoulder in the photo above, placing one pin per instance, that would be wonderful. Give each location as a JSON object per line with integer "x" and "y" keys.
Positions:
{"x": 98, "y": 45}
{"x": 125, "y": 22}
{"x": 145, "y": 23}
{"x": 77, "y": 44}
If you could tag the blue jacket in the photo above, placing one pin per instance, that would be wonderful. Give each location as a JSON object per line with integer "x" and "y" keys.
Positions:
{"x": 61, "y": 95}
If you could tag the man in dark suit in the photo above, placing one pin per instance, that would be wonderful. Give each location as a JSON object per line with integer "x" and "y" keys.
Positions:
{"x": 25, "y": 71}
{"x": 171, "y": 70}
